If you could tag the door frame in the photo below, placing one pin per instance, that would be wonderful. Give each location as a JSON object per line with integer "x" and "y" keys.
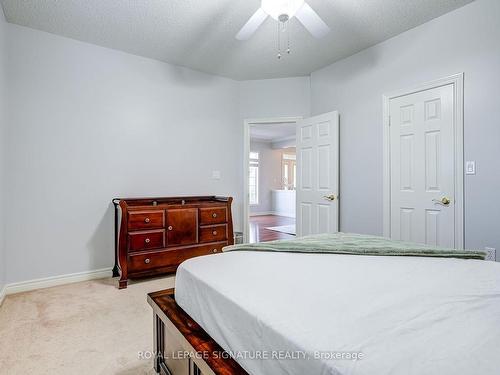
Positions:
{"x": 246, "y": 160}
{"x": 457, "y": 80}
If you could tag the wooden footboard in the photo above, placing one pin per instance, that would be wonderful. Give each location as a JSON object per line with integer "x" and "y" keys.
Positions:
{"x": 181, "y": 346}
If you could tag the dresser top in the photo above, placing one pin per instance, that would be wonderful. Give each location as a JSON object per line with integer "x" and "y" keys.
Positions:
{"x": 181, "y": 201}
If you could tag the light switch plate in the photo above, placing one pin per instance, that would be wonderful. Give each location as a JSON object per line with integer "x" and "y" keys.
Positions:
{"x": 470, "y": 167}
{"x": 216, "y": 175}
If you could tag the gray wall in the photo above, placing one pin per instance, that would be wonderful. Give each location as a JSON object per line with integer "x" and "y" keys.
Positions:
{"x": 466, "y": 40}
{"x": 87, "y": 124}
{"x": 288, "y": 97}
{"x": 269, "y": 175}
{"x": 3, "y": 119}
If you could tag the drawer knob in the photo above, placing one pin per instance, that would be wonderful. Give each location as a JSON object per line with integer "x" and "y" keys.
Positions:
{"x": 147, "y": 220}
{"x": 214, "y": 215}
{"x": 170, "y": 227}
{"x": 214, "y": 250}
{"x": 214, "y": 233}
{"x": 147, "y": 260}
{"x": 147, "y": 240}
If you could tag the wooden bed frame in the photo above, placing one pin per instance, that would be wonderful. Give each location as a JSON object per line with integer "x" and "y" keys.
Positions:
{"x": 181, "y": 346}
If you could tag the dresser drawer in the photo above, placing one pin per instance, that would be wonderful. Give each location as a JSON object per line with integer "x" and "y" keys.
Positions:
{"x": 171, "y": 257}
{"x": 213, "y": 215}
{"x": 138, "y": 220}
{"x": 146, "y": 240}
{"x": 213, "y": 233}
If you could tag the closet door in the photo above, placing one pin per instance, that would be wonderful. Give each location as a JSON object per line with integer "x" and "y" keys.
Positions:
{"x": 182, "y": 226}
{"x": 422, "y": 142}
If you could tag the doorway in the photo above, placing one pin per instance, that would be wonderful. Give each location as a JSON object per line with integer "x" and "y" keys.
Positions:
{"x": 306, "y": 188}
{"x": 423, "y": 164}
{"x": 270, "y": 179}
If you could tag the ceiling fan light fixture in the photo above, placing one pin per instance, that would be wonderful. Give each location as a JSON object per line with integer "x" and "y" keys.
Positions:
{"x": 276, "y": 8}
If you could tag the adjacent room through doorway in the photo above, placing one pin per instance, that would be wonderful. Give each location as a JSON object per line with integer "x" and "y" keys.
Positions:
{"x": 272, "y": 181}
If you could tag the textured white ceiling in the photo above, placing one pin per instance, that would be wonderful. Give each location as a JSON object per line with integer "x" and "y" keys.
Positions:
{"x": 199, "y": 34}
{"x": 272, "y": 132}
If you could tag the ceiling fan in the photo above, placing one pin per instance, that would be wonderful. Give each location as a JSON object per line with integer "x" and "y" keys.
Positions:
{"x": 282, "y": 11}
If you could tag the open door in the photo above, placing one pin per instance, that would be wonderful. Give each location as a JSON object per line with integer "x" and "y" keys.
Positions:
{"x": 318, "y": 174}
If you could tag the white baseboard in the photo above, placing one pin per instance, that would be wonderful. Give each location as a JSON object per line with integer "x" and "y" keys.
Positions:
{"x": 3, "y": 293}
{"x": 47, "y": 282}
{"x": 276, "y": 213}
{"x": 262, "y": 213}
{"x": 285, "y": 214}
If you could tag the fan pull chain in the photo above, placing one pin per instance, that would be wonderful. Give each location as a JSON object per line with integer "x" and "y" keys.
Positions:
{"x": 279, "y": 41}
{"x": 288, "y": 27}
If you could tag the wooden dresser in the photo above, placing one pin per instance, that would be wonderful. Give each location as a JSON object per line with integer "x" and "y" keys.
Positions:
{"x": 154, "y": 235}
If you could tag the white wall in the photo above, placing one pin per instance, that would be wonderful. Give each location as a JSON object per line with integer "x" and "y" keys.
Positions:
{"x": 269, "y": 175}
{"x": 466, "y": 40}
{"x": 88, "y": 124}
{"x": 3, "y": 119}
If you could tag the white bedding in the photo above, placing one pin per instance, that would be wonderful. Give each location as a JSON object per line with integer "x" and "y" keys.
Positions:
{"x": 407, "y": 315}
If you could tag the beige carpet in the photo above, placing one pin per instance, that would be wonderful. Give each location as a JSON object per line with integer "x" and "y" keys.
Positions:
{"x": 84, "y": 328}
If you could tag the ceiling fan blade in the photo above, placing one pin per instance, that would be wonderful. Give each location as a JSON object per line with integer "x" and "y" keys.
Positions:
{"x": 312, "y": 22}
{"x": 252, "y": 25}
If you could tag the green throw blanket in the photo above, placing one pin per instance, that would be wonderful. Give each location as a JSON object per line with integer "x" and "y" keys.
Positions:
{"x": 357, "y": 244}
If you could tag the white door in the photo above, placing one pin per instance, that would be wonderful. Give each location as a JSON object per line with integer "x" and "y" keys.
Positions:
{"x": 422, "y": 167}
{"x": 318, "y": 174}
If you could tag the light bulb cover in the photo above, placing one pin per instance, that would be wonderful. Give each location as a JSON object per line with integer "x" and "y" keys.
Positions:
{"x": 276, "y": 8}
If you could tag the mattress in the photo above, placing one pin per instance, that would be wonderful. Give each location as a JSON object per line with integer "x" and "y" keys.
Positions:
{"x": 294, "y": 313}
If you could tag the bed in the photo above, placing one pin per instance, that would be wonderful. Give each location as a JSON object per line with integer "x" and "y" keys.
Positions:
{"x": 323, "y": 313}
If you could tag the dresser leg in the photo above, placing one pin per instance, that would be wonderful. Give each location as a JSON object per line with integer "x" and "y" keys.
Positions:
{"x": 122, "y": 284}
{"x": 116, "y": 271}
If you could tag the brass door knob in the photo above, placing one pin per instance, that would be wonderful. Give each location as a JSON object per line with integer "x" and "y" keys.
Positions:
{"x": 147, "y": 220}
{"x": 445, "y": 201}
{"x": 330, "y": 197}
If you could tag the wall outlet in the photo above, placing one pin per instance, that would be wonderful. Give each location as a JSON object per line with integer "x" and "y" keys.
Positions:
{"x": 492, "y": 253}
